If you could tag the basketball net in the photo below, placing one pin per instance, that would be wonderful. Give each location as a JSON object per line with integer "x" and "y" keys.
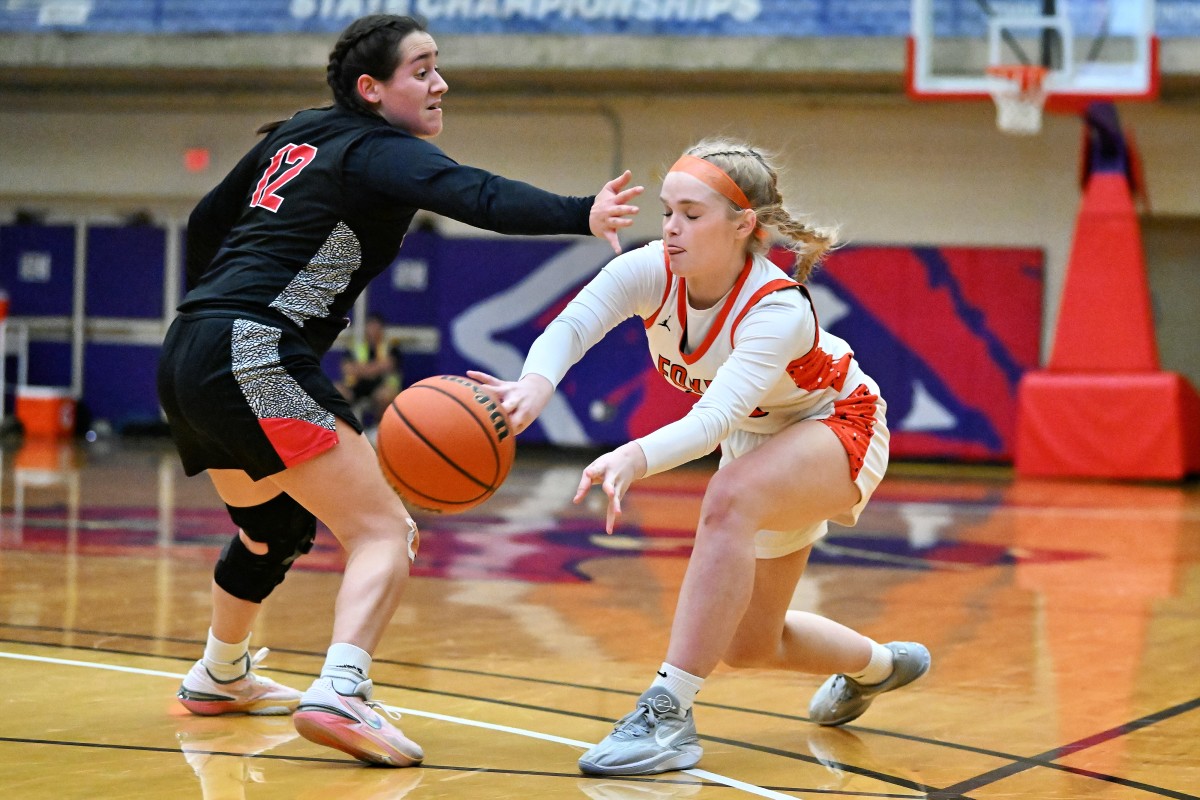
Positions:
{"x": 1020, "y": 96}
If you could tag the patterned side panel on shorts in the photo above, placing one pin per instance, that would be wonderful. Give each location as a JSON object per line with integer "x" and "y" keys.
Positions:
{"x": 853, "y": 422}
{"x": 296, "y": 424}
{"x": 328, "y": 274}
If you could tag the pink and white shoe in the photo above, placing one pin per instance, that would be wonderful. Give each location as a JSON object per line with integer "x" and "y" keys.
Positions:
{"x": 203, "y": 694}
{"x": 352, "y": 724}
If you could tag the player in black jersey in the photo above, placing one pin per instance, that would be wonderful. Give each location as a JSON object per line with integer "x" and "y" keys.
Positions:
{"x": 276, "y": 255}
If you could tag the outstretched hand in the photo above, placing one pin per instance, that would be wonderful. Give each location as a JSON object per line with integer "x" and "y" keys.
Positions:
{"x": 615, "y": 472}
{"x": 521, "y": 400}
{"x": 611, "y": 210}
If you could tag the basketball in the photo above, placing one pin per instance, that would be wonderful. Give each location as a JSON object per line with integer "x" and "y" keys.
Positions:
{"x": 444, "y": 445}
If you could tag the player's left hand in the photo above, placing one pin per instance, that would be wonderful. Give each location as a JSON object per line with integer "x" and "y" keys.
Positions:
{"x": 611, "y": 210}
{"x": 615, "y": 472}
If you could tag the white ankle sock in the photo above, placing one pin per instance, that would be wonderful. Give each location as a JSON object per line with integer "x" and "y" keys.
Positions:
{"x": 347, "y": 665}
{"x": 225, "y": 661}
{"x": 683, "y": 685}
{"x": 878, "y": 668}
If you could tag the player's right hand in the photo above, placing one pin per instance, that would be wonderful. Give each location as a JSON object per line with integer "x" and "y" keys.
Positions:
{"x": 521, "y": 400}
{"x": 612, "y": 209}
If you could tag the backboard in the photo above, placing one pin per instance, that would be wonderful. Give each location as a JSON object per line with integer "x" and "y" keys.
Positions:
{"x": 1091, "y": 49}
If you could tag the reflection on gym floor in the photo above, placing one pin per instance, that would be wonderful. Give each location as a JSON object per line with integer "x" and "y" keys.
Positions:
{"x": 1061, "y": 617}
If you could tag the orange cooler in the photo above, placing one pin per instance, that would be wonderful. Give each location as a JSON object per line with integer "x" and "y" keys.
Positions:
{"x": 46, "y": 410}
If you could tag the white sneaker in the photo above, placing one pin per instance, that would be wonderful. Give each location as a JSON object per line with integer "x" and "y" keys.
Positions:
{"x": 655, "y": 737}
{"x": 201, "y": 693}
{"x": 352, "y": 724}
{"x": 842, "y": 699}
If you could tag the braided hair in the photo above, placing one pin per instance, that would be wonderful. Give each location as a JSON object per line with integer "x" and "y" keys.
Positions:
{"x": 370, "y": 45}
{"x": 754, "y": 172}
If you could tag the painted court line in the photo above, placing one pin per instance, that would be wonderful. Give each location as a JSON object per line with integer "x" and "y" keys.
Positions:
{"x": 733, "y": 783}
{"x": 91, "y": 664}
{"x": 699, "y": 773}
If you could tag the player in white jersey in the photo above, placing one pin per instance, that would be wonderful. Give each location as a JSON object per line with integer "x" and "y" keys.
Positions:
{"x": 803, "y": 439}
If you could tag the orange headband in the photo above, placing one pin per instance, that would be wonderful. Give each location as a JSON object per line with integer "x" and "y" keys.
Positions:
{"x": 713, "y": 176}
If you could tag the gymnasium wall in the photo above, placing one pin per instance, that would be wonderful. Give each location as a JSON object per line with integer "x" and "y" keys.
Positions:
{"x": 887, "y": 171}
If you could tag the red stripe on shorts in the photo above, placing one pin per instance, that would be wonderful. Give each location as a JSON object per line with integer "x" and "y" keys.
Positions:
{"x": 296, "y": 441}
{"x": 853, "y": 422}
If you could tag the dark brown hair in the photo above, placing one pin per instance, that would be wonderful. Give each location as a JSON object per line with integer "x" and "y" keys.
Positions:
{"x": 369, "y": 46}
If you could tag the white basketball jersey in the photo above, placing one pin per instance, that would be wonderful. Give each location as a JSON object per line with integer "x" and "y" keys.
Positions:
{"x": 689, "y": 347}
{"x": 757, "y": 358}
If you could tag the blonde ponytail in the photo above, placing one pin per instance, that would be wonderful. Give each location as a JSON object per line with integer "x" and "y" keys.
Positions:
{"x": 754, "y": 172}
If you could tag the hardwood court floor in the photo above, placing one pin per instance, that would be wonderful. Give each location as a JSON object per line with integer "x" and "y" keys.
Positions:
{"x": 1062, "y": 618}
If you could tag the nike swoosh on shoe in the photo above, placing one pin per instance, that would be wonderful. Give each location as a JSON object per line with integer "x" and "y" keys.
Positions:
{"x": 669, "y": 739}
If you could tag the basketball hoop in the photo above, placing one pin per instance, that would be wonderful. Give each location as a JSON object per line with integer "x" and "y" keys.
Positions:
{"x": 1020, "y": 96}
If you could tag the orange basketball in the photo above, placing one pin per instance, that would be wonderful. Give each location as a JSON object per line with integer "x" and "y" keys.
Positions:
{"x": 444, "y": 445}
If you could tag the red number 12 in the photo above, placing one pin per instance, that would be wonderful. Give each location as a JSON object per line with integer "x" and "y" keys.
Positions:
{"x": 298, "y": 157}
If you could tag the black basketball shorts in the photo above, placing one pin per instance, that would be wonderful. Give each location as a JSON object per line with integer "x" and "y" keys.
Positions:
{"x": 246, "y": 394}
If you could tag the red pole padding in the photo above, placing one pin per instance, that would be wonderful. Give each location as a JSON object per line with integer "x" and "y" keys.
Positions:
{"x": 1105, "y": 321}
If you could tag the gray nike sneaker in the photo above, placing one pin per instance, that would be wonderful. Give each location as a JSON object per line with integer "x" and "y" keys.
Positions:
{"x": 842, "y": 699}
{"x": 654, "y": 737}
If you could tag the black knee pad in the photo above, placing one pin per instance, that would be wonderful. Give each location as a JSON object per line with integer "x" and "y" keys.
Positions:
{"x": 284, "y": 526}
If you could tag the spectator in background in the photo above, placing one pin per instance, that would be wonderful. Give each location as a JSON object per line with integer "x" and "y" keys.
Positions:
{"x": 371, "y": 372}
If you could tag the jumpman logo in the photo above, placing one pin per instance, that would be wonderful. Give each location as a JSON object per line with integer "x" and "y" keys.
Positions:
{"x": 665, "y": 324}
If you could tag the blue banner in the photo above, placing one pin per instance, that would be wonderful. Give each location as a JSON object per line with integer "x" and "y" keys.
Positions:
{"x": 946, "y": 332}
{"x": 790, "y": 18}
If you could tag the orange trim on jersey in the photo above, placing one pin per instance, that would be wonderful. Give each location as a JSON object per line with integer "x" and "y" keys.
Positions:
{"x": 718, "y": 323}
{"x": 853, "y": 422}
{"x": 766, "y": 289}
{"x": 712, "y": 176}
{"x": 649, "y": 321}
